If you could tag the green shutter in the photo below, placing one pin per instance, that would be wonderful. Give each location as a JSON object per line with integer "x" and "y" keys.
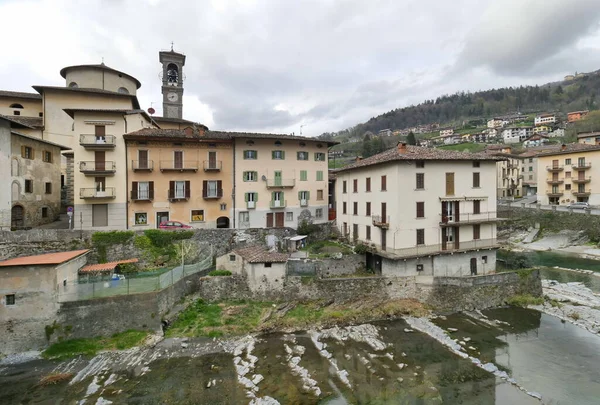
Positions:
{"x": 302, "y": 175}
{"x": 255, "y": 176}
{"x": 255, "y": 197}
{"x": 283, "y": 154}
{"x": 246, "y": 197}
{"x": 272, "y": 196}
{"x": 245, "y": 176}
{"x": 307, "y": 195}
{"x": 299, "y": 195}
{"x": 320, "y": 175}
{"x": 272, "y": 154}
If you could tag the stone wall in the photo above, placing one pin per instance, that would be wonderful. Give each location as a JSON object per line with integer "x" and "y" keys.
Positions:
{"x": 348, "y": 264}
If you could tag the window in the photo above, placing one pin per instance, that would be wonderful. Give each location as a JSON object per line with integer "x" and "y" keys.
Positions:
{"x": 383, "y": 183}
{"x": 420, "y": 164}
{"x": 368, "y": 185}
{"x": 319, "y": 175}
{"x": 141, "y": 218}
{"x": 48, "y": 188}
{"x": 449, "y": 183}
{"x": 47, "y": 156}
{"x": 344, "y": 187}
{"x": 268, "y": 265}
{"x": 10, "y": 299}
{"x": 302, "y": 155}
{"x": 27, "y": 152}
{"x": 368, "y": 237}
{"x": 278, "y": 143}
{"x": 319, "y": 195}
{"x": 16, "y": 105}
{"x": 289, "y": 216}
{"x": 530, "y": 168}
{"x": 476, "y": 231}
{"x": 567, "y": 175}
{"x": 212, "y": 189}
{"x": 197, "y": 216}
{"x": 368, "y": 209}
{"x": 355, "y": 232}
{"x": 355, "y": 186}
{"x": 476, "y": 183}
{"x": 303, "y": 175}
{"x": 531, "y": 177}
{"x": 250, "y": 155}
{"x": 567, "y": 187}
{"x": 250, "y": 176}
{"x": 303, "y": 196}
{"x": 319, "y": 156}
{"x": 421, "y": 209}
{"x": 73, "y": 85}
{"x": 355, "y": 208}
{"x": 278, "y": 155}
{"x": 251, "y": 197}
{"x": 476, "y": 164}
{"x": 420, "y": 181}
{"x": 530, "y": 160}
{"x": 476, "y": 207}
{"x": 344, "y": 207}
{"x": 484, "y": 259}
{"x": 567, "y": 161}
{"x": 232, "y": 258}
{"x": 180, "y": 189}
{"x": 223, "y": 207}
{"x": 345, "y": 229}
{"x": 16, "y": 112}
{"x": 244, "y": 218}
{"x": 44, "y": 212}
{"x": 29, "y": 186}
{"x": 420, "y": 236}
{"x": 178, "y": 159}
{"x": 122, "y": 90}
{"x": 319, "y": 213}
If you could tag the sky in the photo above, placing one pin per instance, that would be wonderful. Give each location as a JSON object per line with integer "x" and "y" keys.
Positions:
{"x": 309, "y": 66}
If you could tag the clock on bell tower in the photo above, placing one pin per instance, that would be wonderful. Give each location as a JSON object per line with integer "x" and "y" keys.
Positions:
{"x": 172, "y": 82}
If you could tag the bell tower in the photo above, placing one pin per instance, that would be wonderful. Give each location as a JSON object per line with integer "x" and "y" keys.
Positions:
{"x": 172, "y": 82}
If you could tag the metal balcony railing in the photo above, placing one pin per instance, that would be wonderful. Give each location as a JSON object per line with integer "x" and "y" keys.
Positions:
{"x": 277, "y": 182}
{"x": 581, "y": 165}
{"x": 178, "y": 165}
{"x": 278, "y": 204}
{"x": 555, "y": 168}
{"x": 555, "y": 181}
{"x": 579, "y": 180}
{"x": 468, "y": 218}
{"x": 581, "y": 193}
{"x": 212, "y": 165}
{"x": 438, "y": 248}
{"x": 554, "y": 193}
{"x": 89, "y": 193}
{"x": 174, "y": 196}
{"x": 97, "y": 167}
{"x": 142, "y": 165}
{"x": 91, "y": 141}
{"x": 381, "y": 221}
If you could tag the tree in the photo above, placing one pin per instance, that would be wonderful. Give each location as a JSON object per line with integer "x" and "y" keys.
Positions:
{"x": 410, "y": 139}
{"x": 367, "y": 149}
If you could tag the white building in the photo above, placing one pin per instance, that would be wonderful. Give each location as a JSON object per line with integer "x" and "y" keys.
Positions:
{"x": 421, "y": 211}
{"x": 516, "y": 134}
{"x": 544, "y": 119}
{"x": 446, "y": 132}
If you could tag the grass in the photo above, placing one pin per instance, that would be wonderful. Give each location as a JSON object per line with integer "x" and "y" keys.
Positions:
{"x": 575, "y": 316}
{"x": 89, "y": 347}
{"x": 220, "y": 273}
{"x": 525, "y": 300}
{"x": 54, "y": 378}
{"x": 469, "y": 147}
{"x": 324, "y": 248}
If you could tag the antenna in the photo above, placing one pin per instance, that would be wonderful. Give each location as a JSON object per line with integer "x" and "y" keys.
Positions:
{"x": 303, "y": 125}
{"x": 172, "y": 46}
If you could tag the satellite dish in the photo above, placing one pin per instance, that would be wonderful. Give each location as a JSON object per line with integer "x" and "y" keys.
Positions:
{"x": 264, "y": 178}
{"x": 151, "y": 111}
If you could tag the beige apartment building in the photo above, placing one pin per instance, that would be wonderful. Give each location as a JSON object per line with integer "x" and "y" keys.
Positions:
{"x": 422, "y": 211}
{"x": 509, "y": 172}
{"x": 280, "y": 180}
{"x": 568, "y": 175}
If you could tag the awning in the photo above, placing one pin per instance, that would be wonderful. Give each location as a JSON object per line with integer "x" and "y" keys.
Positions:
{"x": 452, "y": 198}
{"x": 104, "y": 267}
{"x": 298, "y": 237}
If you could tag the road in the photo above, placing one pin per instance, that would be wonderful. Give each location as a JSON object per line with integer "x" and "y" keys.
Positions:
{"x": 529, "y": 202}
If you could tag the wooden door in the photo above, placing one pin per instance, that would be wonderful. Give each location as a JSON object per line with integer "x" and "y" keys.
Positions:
{"x": 212, "y": 160}
{"x": 580, "y": 175}
{"x": 278, "y": 179}
{"x": 99, "y": 159}
{"x": 178, "y": 159}
{"x": 555, "y": 163}
{"x": 279, "y": 217}
{"x": 457, "y": 211}
{"x": 269, "y": 220}
{"x": 383, "y": 239}
{"x": 100, "y": 132}
{"x": 473, "y": 266}
{"x": 143, "y": 159}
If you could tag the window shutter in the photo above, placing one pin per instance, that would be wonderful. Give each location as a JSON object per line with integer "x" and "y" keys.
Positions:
{"x": 307, "y": 195}
{"x": 151, "y": 190}
{"x": 255, "y": 176}
{"x": 449, "y": 183}
{"x": 219, "y": 188}
{"x": 187, "y": 189}
{"x": 134, "y": 190}
{"x": 22, "y": 151}
{"x": 283, "y": 154}
{"x": 171, "y": 189}
{"x": 273, "y": 154}
{"x": 299, "y": 195}
{"x": 246, "y": 197}
{"x": 272, "y": 196}
{"x": 444, "y": 211}
{"x": 245, "y": 176}
{"x": 204, "y": 188}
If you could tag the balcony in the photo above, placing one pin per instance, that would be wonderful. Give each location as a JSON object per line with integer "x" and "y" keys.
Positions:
{"x": 281, "y": 183}
{"x": 581, "y": 180}
{"x": 251, "y": 205}
{"x": 142, "y": 165}
{"x": 178, "y": 166}
{"x": 581, "y": 165}
{"x": 212, "y": 194}
{"x": 97, "y": 168}
{"x": 440, "y": 248}
{"x": 212, "y": 165}
{"x": 304, "y": 203}
{"x": 278, "y": 204}
{"x": 555, "y": 168}
{"x": 581, "y": 193}
{"x": 555, "y": 181}
{"x": 142, "y": 195}
{"x": 381, "y": 221}
{"x": 511, "y": 166}
{"x": 464, "y": 219}
{"x": 554, "y": 193}
{"x": 93, "y": 142}
{"x": 92, "y": 193}
{"x": 175, "y": 196}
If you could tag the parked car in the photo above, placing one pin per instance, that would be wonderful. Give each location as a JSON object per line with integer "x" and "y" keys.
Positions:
{"x": 173, "y": 225}
{"x": 580, "y": 205}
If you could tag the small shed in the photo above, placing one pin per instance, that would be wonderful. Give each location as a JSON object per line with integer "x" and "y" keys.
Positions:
{"x": 295, "y": 243}
{"x": 104, "y": 268}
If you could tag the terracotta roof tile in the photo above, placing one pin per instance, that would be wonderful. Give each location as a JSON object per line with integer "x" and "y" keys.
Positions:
{"x": 100, "y": 267}
{"x": 45, "y": 259}
{"x": 19, "y": 94}
{"x": 274, "y": 136}
{"x": 29, "y": 122}
{"x": 180, "y": 134}
{"x": 572, "y": 148}
{"x": 259, "y": 254}
{"x": 587, "y": 134}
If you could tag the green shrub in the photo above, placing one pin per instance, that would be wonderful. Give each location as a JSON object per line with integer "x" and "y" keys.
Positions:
{"x": 306, "y": 228}
{"x": 220, "y": 273}
{"x": 525, "y": 300}
{"x": 160, "y": 238}
{"x": 361, "y": 249}
{"x": 112, "y": 237}
{"x": 89, "y": 347}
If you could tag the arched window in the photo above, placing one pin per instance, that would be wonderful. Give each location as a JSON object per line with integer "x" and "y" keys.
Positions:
{"x": 172, "y": 74}
{"x": 123, "y": 90}
{"x": 73, "y": 85}
{"x": 16, "y": 105}
{"x": 278, "y": 143}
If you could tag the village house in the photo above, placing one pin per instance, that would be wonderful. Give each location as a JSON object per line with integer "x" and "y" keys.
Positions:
{"x": 544, "y": 119}
{"x": 576, "y": 115}
{"x": 529, "y": 167}
{"x": 589, "y": 138}
{"x": 451, "y": 208}
{"x": 444, "y": 132}
{"x": 542, "y": 129}
{"x": 495, "y": 123}
{"x": 535, "y": 140}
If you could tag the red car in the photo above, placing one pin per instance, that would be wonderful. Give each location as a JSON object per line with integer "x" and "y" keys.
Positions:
{"x": 173, "y": 225}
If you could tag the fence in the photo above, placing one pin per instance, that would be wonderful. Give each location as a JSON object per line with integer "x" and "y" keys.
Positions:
{"x": 100, "y": 289}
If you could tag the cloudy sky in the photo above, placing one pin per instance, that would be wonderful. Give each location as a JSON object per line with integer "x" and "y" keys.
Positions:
{"x": 275, "y": 65}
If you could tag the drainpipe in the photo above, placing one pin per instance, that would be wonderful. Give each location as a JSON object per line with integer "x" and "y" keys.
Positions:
{"x": 233, "y": 193}
{"x": 126, "y": 180}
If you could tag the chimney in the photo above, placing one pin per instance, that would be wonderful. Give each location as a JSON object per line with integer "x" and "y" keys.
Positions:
{"x": 563, "y": 147}
{"x": 188, "y": 131}
{"x": 401, "y": 147}
{"x": 358, "y": 158}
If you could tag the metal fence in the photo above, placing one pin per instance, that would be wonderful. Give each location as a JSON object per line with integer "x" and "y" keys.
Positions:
{"x": 109, "y": 288}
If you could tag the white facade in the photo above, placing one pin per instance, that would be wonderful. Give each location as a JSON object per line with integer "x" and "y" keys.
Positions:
{"x": 446, "y": 132}
{"x": 545, "y": 119}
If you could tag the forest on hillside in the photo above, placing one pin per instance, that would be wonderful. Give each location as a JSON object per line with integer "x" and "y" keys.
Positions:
{"x": 578, "y": 94}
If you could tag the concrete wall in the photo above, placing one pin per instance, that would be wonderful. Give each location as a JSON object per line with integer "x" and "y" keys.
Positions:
{"x": 348, "y": 264}
{"x": 95, "y": 78}
{"x": 5, "y": 181}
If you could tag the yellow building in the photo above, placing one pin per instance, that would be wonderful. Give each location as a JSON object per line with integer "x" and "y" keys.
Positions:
{"x": 179, "y": 175}
{"x": 570, "y": 175}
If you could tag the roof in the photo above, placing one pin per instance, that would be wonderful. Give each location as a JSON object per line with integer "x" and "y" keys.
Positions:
{"x": 45, "y": 259}
{"x": 273, "y": 136}
{"x": 110, "y": 266}
{"x": 417, "y": 153}
{"x": 40, "y": 140}
{"x": 579, "y": 112}
{"x": 179, "y": 134}
{"x": 126, "y": 111}
{"x": 537, "y": 150}
{"x": 27, "y": 122}
{"x": 177, "y": 121}
{"x": 101, "y": 66}
{"x": 260, "y": 254}
{"x": 573, "y": 148}
{"x": 298, "y": 237}
{"x": 40, "y": 89}
{"x": 19, "y": 94}
{"x": 587, "y": 134}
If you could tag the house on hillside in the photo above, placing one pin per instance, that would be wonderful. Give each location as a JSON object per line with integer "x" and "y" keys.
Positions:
{"x": 545, "y": 119}
{"x": 446, "y": 132}
{"x": 529, "y": 166}
{"x": 589, "y": 138}
{"x": 535, "y": 140}
{"x": 576, "y": 115}
{"x": 542, "y": 129}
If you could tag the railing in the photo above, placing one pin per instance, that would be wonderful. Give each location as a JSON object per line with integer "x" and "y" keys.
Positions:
{"x": 142, "y": 195}
{"x": 97, "y": 167}
{"x": 278, "y": 204}
{"x": 583, "y": 165}
{"x": 555, "y": 181}
{"x": 208, "y": 194}
{"x": 91, "y": 141}
{"x": 142, "y": 165}
{"x": 468, "y": 218}
{"x": 212, "y": 166}
{"x": 439, "y": 248}
{"x": 581, "y": 180}
{"x": 304, "y": 203}
{"x": 555, "y": 168}
{"x": 273, "y": 183}
{"x": 381, "y": 222}
{"x": 173, "y": 196}
{"x": 179, "y": 165}
{"x": 553, "y": 193}
{"x": 108, "y": 192}
{"x": 581, "y": 193}
{"x": 250, "y": 204}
